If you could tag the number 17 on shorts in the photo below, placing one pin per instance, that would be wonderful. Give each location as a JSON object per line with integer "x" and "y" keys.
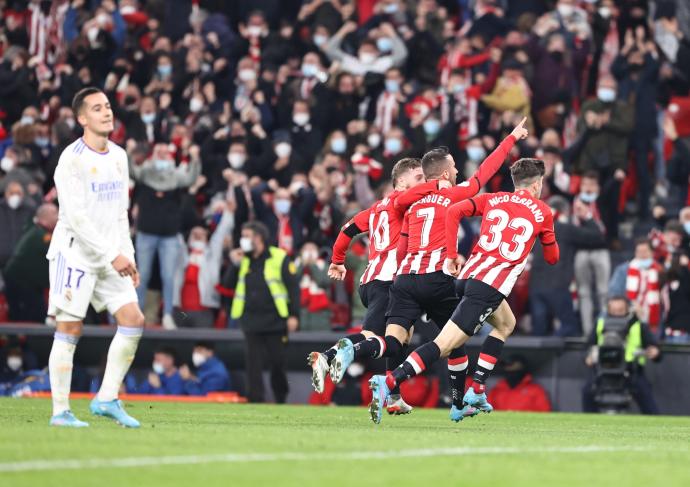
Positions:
{"x": 71, "y": 287}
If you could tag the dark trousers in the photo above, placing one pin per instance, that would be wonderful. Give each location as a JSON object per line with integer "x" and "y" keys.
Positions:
{"x": 271, "y": 347}
{"x": 25, "y": 304}
{"x": 608, "y": 203}
{"x": 547, "y": 304}
{"x": 640, "y": 389}
{"x": 642, "y": 145}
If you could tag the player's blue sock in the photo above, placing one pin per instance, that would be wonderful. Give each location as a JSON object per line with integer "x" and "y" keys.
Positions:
{"x": 457, "y": 371}
{"x": 491, "y": 350}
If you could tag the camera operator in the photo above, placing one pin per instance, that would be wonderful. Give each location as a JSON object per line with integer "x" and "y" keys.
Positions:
{"x": 639, "y": 344}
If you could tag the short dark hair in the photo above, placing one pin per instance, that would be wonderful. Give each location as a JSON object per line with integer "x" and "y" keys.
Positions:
{"x": 643, "y": 241}
{"x": 525, "y": 171}
{"x": 591, "y": 175}
{"x": 258, "y": 228}
{"x": 435, "y": 162}
{"x": 674, "y": 226}
{"x": 169, "y": 351}
{"x": 207, "y": 345}
{"x": 78, "y": 100}
{"x": 402, "y": 166}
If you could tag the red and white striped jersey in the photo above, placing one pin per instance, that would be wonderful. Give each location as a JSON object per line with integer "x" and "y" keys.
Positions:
{"x": 425, "y": 221}
{"x": 383, "y": 221}
{"x": 510, "y": 225}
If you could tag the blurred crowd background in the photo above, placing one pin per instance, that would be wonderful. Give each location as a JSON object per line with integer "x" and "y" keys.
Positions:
{"x": 293, "y": 113}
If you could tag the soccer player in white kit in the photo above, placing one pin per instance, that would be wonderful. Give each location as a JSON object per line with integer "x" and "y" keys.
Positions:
{"x": 91, "y": 259}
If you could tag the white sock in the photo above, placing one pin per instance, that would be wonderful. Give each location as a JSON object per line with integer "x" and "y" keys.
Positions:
{"x": 120, "y": 356}
{"x": 60, "y": 369}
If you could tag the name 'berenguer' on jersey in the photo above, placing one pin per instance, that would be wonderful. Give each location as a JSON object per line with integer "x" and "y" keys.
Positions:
{"x": 425, "y": 220}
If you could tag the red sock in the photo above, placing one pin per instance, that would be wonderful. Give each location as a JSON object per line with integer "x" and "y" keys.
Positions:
{"x": 390, "y": 380}
{"x": 478, "y": 388}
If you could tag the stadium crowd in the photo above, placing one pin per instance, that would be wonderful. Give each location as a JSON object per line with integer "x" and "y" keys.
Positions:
{"x": 292, "y": 113}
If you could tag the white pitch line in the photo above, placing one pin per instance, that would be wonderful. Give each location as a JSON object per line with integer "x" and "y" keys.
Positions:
{"x": 133, "y": 462}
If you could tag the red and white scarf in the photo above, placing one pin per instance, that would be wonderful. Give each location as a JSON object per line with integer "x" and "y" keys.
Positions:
{"x": 312, "y": 297}
{"x": 387, "y": 109}
{"x": 643, "y": 289}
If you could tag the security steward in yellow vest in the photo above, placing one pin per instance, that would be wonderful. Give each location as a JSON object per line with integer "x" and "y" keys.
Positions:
{"x": 640, "y": 346}
{"x": 265, "y": 305}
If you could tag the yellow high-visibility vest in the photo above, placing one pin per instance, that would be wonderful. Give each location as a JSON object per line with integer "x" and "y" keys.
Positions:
{"x": 273, "y": 276}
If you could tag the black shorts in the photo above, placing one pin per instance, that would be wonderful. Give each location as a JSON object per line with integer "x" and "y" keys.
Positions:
{"x": 412, "y": 295}
{"x": 375, "y": 296}
{"x": 478, "y": 301}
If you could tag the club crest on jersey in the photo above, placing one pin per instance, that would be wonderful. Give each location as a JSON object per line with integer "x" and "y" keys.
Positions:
{"x": 68, "y": 294}
{"x": 93, "y": 170}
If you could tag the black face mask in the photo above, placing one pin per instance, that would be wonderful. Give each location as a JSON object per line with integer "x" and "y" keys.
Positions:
{"x": 557, "y": 56}
{"x": 635, "y": 68}
{"x": 129, "y": 100}
{"x": 514, "y": 377}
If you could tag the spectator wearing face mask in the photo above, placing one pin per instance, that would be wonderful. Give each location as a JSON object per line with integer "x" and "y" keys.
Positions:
{"x": 283, "y": 211}
{"x": 593, "y": 264}
{"x": 211, "y": 373}
{"x": 16, "y": 211}
{"x": 140, "y": 116}
{"x": 315, "y": 313}
{"x": 26, "y": 272}
{"x": 158, "y": 197}
{"x": 643, "y": 284}
{"x": 196, "y": 299}
{"x": 603, "y": 129}
{"x": 308, "y": 85}
{"x": 306, "y": 137}
{"x": 164, "y": 378}
{"x": 517, "y": 391}
{"x": 13, "y": 366}
{"x": 369, "y": 58}
{"x": 677, "y": 320}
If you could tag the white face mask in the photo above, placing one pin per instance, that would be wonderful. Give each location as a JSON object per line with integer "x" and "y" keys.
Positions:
{"x": 14, "y": 363}
{"x": 310, "y": 255}
{"x": 283, "y": 149}
{"x": 198, "y": 359}
{"x": 566, "y": 10}
{"x": 300, "y": 119}
{"x": 197, "y": 245}
{"x": 246, "y": 244}
{"x": 158, "y": 368}
{"x": 195, "y": 105}
{"x": 247, "y": 75}
{"x": 367, "y": 57}
{"x": 374, "y": 140}
{"x": 6, "y": 164}
{"x": 14, "y": 201}
{"x": 236, "y": 159}
{"x": 254, "y": 30}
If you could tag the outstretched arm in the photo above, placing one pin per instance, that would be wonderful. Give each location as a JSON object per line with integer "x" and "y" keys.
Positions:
{"x": 404, "y": 200}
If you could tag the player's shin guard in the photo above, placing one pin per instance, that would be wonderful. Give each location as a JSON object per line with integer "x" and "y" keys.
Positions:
{"x": 457, "y": 371}
{"x": 491, "y": 350}
{"x": 60, "y": 370}
{"x": 355, "y": 338}
{"x": 120, "y": 356}
{"x": 377, "y": 347}
{"x": 395, "y": 361}
{"x": 414, "y": 364}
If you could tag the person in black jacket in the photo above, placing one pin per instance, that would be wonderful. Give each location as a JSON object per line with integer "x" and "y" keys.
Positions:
{"x": 549, "y": 286}
{"x": 678, "y": 317}
{"x": 265, "y": 311}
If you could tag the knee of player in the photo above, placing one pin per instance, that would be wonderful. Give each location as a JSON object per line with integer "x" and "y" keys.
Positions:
{"x": 132, "y": 316}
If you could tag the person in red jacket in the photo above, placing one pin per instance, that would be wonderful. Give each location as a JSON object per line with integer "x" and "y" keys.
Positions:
{"x": 516, "y": 391}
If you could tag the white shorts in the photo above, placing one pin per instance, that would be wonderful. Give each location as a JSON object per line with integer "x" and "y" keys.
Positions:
{"x": 72, "y": 288}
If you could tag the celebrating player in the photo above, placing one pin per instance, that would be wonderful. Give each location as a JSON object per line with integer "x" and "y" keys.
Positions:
{"x": 510, "y": 225}
{"x": 382, "y": 221}
{"x": 422, "y": 285}
{"x": 92, "y": 259}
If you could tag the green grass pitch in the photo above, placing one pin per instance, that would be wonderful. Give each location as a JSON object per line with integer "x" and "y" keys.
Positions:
{"x": 204, "y": 445}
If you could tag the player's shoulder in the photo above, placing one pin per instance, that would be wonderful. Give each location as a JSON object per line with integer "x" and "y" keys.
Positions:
{"x": 116, "y": 149}
{"x": 71, "y": 153}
